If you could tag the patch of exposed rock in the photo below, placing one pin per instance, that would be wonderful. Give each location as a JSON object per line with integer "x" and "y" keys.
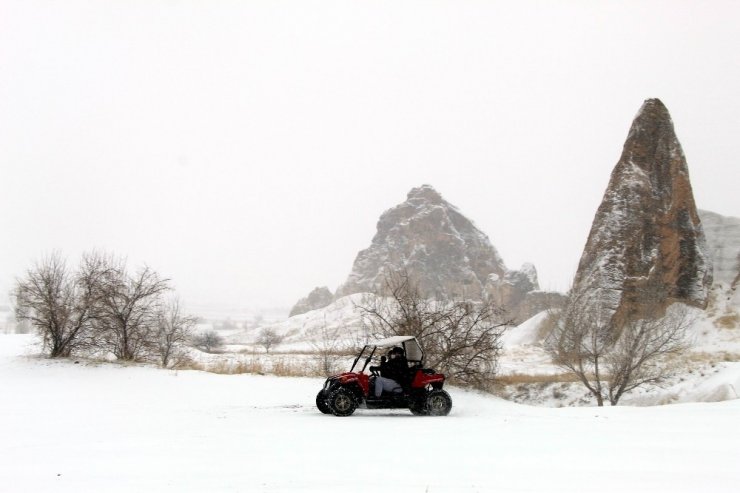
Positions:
{"x": 536, "y": 302}
{"x": 318, "y": 298}
{"x": 646, "y": 248}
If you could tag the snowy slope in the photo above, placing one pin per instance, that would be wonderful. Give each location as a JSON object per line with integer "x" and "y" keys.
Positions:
{"x": 68, "y": 427}
{"x": 525, "y": 333}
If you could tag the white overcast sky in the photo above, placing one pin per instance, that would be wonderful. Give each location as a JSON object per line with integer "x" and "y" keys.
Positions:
{"x": 246, "y": 149}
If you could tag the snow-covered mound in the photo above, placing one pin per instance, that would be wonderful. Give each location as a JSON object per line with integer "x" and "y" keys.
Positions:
{"x": 341, "y": 319}
{"x": 720, "y": 383}
{"x": 525, "y": 333}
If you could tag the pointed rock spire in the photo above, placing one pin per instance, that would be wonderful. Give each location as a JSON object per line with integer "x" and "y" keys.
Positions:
{"x": 646, "y": 248}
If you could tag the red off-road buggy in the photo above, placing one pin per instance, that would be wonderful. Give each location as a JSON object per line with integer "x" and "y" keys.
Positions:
{"x": 422, "y": 392}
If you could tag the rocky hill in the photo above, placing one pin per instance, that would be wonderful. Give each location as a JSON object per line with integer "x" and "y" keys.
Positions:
{"x": 318, "y": 298}
{"x": 446, "y": 254}
{"x": 646, "y": 246}
{"x": 441, "y": 249}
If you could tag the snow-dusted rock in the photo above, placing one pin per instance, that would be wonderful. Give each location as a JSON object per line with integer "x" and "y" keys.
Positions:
{"x": 318, "y": 298}
{"x": 442, "y": 250}
{"x": 723, "y": 244}
{"x": 646, "y": 244}
{"x": 428, "y": 237}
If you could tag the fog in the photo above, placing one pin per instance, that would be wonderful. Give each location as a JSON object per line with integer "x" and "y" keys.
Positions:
{"x": 246, "y": 149}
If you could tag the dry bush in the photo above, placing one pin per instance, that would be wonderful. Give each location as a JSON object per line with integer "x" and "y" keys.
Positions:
{"x": 611, "y": 357}
{"x": 209, "y": 341}
{"x": 127, "y": 308}
{"x": 460, "y": 338}
{"x": 522, "y": 378}
{"x": 224, "y": 367}
{"x": 287, "y": 368}
{"x": 714, "y": 357}
{"x": 730, "y": 321}
{"x": 58, "y": 303}
{"x": 268, "y": 338}
{"x": 174, "y": 329}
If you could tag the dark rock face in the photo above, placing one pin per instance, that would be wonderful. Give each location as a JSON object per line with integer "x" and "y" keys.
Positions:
{"x": 646, "y": 248}
{"x": 535, "y": 302}
{"x": 318, "y": 298}
{"x": 510, "y": 290}
{"x": 440, "y": 249}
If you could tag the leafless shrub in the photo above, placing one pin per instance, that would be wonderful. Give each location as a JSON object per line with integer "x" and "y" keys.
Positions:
{"x": 99, "y": 308}
{"x": 611, "y": 357}
{"x": 269, "y": 338}
{"x": 208, "y": 341}
{"x": 173, "y": 331}
{"x": 642, "y": 347}
{"x": 460, "y": 338}
{"x": 127, "y": 309}
{"x": 58, "y": 303}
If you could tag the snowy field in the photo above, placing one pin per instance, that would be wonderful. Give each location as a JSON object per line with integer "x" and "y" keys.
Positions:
{"x": 106, "y": 427}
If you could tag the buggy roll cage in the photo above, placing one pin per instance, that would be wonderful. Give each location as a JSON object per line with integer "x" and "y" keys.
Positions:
{"x": 414, "y": 353}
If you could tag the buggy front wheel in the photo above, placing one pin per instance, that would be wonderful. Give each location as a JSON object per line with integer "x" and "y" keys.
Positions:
{"x": 342, "y": 402}
{"x": 321, "y": 403}
{"x": 438, "y": 403}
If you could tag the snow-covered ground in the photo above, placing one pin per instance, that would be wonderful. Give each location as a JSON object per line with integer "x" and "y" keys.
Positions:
{"x": 107, "y": 427}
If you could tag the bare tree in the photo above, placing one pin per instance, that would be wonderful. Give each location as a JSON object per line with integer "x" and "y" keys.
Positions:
{"x": 58, "y": 303}
{"x": 639, "y": 355}
{"x": 127, "y": 310}
{"x": 579, "y": 343}
{"x": 460, "y": 338}
{"x": 611, "y": 357}
{"x": 269, "y": 338}
{"x": 173, "y": 331}
{"x": 208, "y": 341}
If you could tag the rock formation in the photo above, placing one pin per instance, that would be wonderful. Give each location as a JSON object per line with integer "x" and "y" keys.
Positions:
{"x": 723, "y": 244}
{"x": 646, "y": 248}
{"x": 442, "y": 251}
{"x": 318, "y": 298}
{"x": 439, "y": 247}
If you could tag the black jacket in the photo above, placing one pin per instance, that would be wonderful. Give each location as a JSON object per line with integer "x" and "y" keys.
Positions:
{"x": 396, "y": 369}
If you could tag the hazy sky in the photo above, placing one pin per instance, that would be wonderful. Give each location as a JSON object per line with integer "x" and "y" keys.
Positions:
{"x": 246, "y": 149}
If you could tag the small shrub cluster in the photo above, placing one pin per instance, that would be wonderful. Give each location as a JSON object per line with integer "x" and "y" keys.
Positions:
{"x": 103, "y": 307}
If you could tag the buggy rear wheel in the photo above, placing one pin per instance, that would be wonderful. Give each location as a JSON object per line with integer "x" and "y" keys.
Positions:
{"x": 321, "y": 403}
{"x": 438, "y": 403}
{"x": 342, "y": 402}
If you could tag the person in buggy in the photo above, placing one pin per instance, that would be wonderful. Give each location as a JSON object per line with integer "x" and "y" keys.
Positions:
{"x": 394, "y": 372}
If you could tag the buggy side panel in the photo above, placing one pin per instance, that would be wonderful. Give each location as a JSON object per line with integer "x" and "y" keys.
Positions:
{"x": 424, "y": 378}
